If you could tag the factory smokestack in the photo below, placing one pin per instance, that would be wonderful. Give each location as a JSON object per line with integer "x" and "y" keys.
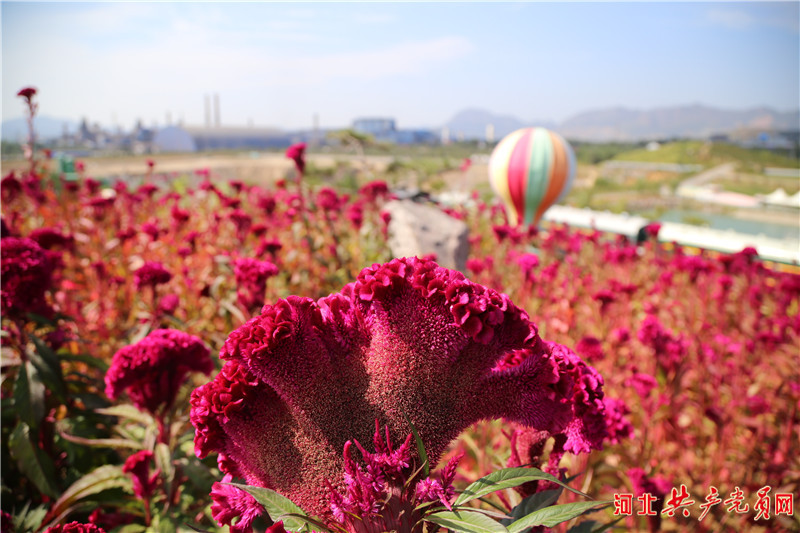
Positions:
{"x": 216, "y": 110}
{"x": 208, "y": 111}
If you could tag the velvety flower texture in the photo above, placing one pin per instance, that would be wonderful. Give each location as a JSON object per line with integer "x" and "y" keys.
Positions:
{"x": 26, "y": 275}
{"x": 153, "y": 369}
{"x": 407, "y": 338}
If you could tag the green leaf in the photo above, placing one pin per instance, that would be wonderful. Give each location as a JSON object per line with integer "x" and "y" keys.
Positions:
{"x": 132, "y": 528}
{"x": 127, "y": 411}
{"x": 163, "y": 524}
{"x": 534, "y": 502}
{"x": 423, "y": 455}
{"x": 90, "y": 360}
{"x": 232, "y": 309}
{"x": 163, "y": 458}
{"x": 505, "y": 479}
{"x": 32, "y": 461}
{"x": 554, "y": 515}
{"x": 48, "y": 365}
{"x": 98, "y": 480}
{"x": 278, "y": 507}
{"x": 31, "y": 520}
{"x": 29, "y": 395}
{"x": 102, "y": 443}
{"x": 466, "y": 522}
{"x": 604, "y": 527}
{"x": 584, "y": 527}
{"x": 503, "y": 517}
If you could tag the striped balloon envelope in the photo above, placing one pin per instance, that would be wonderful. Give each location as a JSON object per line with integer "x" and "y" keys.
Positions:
{"x": 530, "y": 170}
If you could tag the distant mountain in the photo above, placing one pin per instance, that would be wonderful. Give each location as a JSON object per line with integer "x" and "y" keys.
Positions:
{"x": 623, "y": 124}
{"x": 471, "y": 123}
{"x": 46, "y": 128}
{"x": 685, "y": 121}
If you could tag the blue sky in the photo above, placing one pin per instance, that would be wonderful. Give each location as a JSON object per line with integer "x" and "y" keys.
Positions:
{"x": 278, "y": 64}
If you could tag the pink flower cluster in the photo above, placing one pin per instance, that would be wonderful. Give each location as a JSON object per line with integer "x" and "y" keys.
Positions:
{"x": 407, "y": 338}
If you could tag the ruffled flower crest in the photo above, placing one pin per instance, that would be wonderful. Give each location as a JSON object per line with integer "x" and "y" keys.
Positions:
{"x": 407, "y": 338}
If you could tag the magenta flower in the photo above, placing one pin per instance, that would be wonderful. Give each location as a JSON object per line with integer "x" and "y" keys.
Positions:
{"x": 10, "y": 186}
{"x": 605, "y": 297}
{"x": 151, "y": 229}
{"x": 380, "y": 496}
{"x": 75, "y": 527}
{"x": 52, "y": 238}
{"x": 669, "y": 348}
{"x": 528, "y": 263}
{"x": 355, "y": 214}
{"x": 328, "y": 200}
{"x": 153, "y": 369}
{"x": 658, "y": 486}
{"x": 169, "y": 304}
{"x": 617, "y": 423}
{"x": 374, "y": 191}
{"x": 230, "y": 503}
{"x": 296, "y": 153}
{"x": 150, "y": 274}
{"x": 242, "y": 221}
{"x": 407, "y": 338}
{"x": 591, "y": 348}
{"x": 251, "y": 280}
{"x": 27, "y": 93}
{"x": 652, "y": 229}
{"x": 138, "y": 466}
{"x": 26, "y": 274}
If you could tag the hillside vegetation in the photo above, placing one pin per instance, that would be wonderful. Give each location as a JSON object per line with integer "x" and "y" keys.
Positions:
{"x": 710, "y": 154}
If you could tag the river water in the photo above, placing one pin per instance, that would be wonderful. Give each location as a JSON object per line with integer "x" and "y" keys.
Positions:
{"x": 788, "y": 232}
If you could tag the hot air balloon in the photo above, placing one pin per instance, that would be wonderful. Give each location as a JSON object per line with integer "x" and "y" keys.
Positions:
{"x": 530, "y": 170}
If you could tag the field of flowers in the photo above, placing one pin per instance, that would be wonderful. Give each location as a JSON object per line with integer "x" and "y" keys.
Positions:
{"x": 118, "y": 415}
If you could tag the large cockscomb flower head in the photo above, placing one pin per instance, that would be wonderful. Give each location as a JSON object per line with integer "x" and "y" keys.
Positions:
{"x": 152, "y": 370}
{"x": 408, "y": 338}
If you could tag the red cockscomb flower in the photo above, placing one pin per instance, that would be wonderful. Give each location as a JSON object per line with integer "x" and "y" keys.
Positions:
{"x": 150, "y": 274}
{"x": 27, "y": 93}
{"x": 26, "y": 274}
{"x": 152, "y": 370}
{"x": 407, "y": 338}
{"x": 75, "y": 527}
{"x": 138, "y": 466}
{"x": 229, "y": 502}
{"x": 251, "y": 280}
{"x": 296, "y": 153}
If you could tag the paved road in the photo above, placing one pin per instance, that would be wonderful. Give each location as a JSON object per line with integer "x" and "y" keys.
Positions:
{"x": 720, "y": 171}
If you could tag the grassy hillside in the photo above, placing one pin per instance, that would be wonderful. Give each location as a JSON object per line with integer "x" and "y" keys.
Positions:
{"x": 708, "y": 154}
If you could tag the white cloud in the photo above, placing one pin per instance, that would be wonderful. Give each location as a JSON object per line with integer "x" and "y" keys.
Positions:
{"x": 784, "y": 16}
{"x": 731, "y": 18}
